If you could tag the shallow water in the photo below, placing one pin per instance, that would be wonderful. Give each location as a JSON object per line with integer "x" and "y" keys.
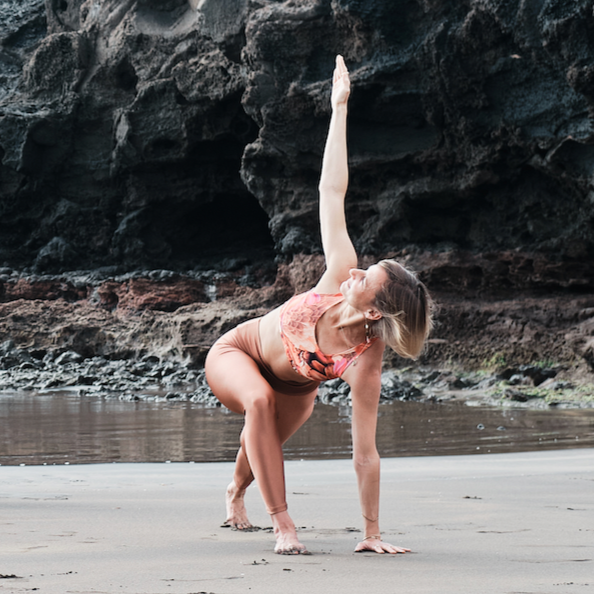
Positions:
{"x": 62, "y": 427}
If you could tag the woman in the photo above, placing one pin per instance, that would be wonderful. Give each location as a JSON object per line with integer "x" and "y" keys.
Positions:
{"x": 269, "y": 369}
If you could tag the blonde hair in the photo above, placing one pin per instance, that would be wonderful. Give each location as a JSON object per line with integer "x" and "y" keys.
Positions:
{"x": 406, "y": 309}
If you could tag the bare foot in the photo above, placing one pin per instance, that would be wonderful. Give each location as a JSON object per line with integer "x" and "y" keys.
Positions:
{"x": 287, "y": 542}
{"x": 236, "y": 513}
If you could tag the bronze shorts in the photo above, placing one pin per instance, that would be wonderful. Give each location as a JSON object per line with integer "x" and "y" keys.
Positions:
{"x": 246, "y": 338}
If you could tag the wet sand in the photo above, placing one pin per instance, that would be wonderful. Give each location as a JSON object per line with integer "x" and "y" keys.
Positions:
{"x": 497, "y": 523}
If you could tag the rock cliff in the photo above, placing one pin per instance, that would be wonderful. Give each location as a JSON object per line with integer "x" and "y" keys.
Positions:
{"x": 168, "y": 133}
{"x": 187, "y": 136}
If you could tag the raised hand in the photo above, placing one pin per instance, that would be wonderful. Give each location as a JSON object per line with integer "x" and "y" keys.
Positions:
{"x": 341, "y": 84}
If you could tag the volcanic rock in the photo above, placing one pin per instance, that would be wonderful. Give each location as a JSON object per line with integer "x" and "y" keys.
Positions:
{"x": 163, "y": 134}
{"x": 159, "y": 163}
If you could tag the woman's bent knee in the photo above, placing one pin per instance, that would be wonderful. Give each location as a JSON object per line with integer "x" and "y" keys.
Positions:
{"x": 260, "y": 402}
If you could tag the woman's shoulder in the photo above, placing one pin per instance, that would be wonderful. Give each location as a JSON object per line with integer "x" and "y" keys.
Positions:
{"x": 367, "y": 365}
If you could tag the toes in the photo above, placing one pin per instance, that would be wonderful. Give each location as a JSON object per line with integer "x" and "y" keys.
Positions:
{"x": 291, "y": 550}
{"x": 243, "y": 526}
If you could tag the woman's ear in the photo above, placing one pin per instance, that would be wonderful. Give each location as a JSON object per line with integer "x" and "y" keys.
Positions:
{"x": 373, "y": 314}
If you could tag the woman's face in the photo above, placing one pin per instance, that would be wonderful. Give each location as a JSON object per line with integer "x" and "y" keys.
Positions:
{"x": 361, "y": 288}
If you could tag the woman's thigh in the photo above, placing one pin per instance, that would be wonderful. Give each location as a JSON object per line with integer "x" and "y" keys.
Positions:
{"x": 234, "y": 377}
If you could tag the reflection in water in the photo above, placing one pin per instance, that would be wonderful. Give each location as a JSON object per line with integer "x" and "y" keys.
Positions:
{"x": 62, "y": 427}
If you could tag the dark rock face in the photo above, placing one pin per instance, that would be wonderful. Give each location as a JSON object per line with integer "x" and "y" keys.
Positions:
{"x": 122, "y": 139}
{"x": 467, "y": 125}
{"x": 148, "y": 133}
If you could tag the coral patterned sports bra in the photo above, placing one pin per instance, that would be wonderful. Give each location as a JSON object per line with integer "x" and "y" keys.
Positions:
{"x": 298, "y": 319}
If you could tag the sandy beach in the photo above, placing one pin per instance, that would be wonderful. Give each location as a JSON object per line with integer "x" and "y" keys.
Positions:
{"x": 496, "y": 523}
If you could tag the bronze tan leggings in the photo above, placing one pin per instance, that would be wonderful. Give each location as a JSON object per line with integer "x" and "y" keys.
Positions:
{"x": 273, "y": 409}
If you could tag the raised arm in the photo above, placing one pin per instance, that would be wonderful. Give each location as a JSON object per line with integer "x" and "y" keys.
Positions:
{"x": 338, "y": 248}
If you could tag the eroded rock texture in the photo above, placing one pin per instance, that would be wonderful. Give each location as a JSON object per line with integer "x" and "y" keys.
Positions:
{"x": 159, "y": 162}
{"x": 148, "y": 133}
{"x": 122, "y": 132}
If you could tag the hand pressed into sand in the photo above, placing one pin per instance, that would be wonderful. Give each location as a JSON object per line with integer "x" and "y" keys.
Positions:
{"x": 236, "y": 512}
{"x": 375, "y": 545}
